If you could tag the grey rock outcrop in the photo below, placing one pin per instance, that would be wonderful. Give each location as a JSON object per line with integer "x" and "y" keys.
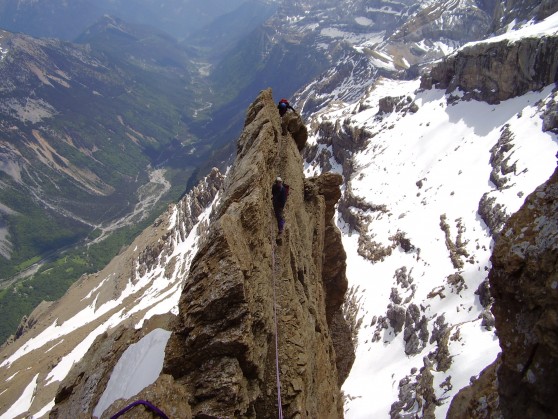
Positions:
{"x": 344, "y": 139}
{"x": 396, "y": 315}
{"x": 198, "y": 199}
{"x": 506, "y": 12}
{"x": 432, "y": 22}
{"x": 524, "y": 285}
{"x": 493, "y": 214}
{"x": 550, "y": 117}
{"x": 496, "y": 71}
{"x": 399, "y": 104}
{"x": 416, "y": 330}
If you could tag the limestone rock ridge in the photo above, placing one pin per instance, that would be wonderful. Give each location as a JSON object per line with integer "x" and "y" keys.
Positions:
{"x": 222, "y": 350}
{"x": 508, "y": 69}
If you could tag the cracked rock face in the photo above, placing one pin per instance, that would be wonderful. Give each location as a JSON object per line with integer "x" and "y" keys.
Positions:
{"x": 523, "y": 381}
{"x": 506, "y": 71}
{"x": 524, "y": 284}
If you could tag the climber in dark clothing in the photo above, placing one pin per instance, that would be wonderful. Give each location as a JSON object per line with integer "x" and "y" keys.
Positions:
{"x": 279, "y": 197}
{"x": 284, "y": 106}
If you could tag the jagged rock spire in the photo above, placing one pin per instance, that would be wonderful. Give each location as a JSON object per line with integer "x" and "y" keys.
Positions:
{"x": 222, "y": 349}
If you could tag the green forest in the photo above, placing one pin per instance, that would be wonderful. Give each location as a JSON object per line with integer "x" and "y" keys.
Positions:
{"x": 55, "y": 277}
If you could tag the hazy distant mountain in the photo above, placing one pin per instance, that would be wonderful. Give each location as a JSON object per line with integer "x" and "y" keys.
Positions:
{"x": 68, "y": 19}
{"x": 227, "y": 30}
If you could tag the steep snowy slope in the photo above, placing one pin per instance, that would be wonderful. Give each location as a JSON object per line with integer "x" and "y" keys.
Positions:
{"x": 419, "y": 170}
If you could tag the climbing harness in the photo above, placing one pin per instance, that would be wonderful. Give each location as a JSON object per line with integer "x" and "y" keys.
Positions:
{"x": 151, "y": 407}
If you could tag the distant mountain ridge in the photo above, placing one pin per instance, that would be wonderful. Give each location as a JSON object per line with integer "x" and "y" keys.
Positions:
{"x": 67, "y": 20}
{"x": 420, "y": 33}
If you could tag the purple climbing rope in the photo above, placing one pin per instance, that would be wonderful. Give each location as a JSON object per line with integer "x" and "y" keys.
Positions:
{"x": 279, "y": 403}
{"x": 151, "y": 407}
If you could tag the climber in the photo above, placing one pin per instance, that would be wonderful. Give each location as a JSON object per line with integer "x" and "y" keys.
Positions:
{"x": 284, "y": 106}
{"x": 279, "y": 192}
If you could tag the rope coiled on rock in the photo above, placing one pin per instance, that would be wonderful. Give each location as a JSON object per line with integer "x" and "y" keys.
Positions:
{"x": 147, "y": 404}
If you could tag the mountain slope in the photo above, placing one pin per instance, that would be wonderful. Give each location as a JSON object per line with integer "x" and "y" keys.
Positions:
{"x": 420, "y": 249}
{"x": 84, "y": 135}
{"x": 430, "y": 178}
{"x": 228, "y": 272}
{"x": 100, "y": 302}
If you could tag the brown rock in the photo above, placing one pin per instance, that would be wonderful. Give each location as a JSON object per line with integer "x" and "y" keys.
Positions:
{"x": 223, "y": 346}
{"x": 165, "y": 394}
{"x": 80, "y": 391}
{"x": 296, "y": 127}
{"x": 480, "y": 400}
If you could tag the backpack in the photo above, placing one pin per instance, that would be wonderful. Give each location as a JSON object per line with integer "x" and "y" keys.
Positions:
{"x": 286, "y": 190}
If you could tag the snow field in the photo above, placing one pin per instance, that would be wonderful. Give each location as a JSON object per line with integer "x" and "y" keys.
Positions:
{"x": 447, "y": 147}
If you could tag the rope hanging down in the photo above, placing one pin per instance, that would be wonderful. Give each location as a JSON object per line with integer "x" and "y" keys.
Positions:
{"x": 273, "y": 270}
{"x": 279, "y": 403}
